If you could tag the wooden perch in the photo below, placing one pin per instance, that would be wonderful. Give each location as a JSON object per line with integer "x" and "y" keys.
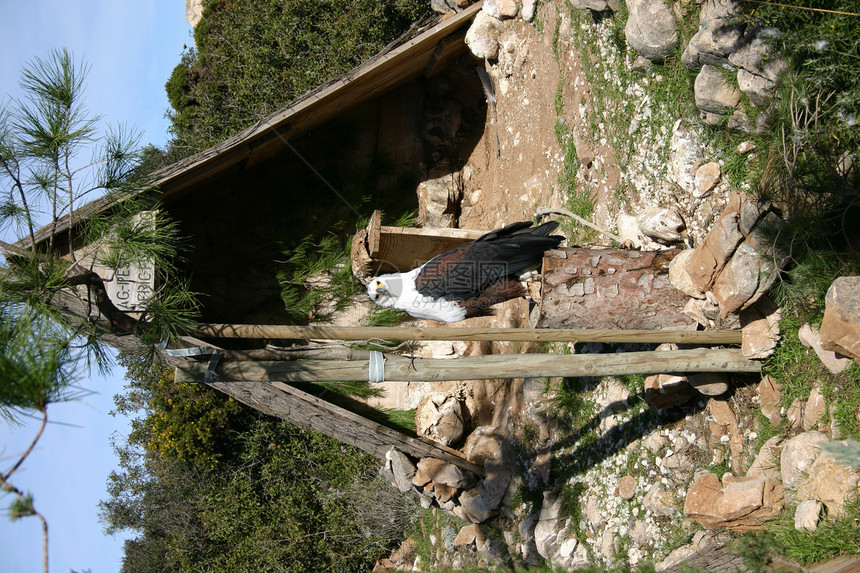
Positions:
{"x": 480, "y": 367}
{"x": 289, "y": 332}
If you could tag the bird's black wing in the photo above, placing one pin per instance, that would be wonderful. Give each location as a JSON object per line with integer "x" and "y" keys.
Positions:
{"x": 466, "y": 271}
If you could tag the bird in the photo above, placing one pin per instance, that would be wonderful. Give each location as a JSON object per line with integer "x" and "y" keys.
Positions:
{"x": 467, "y": 280}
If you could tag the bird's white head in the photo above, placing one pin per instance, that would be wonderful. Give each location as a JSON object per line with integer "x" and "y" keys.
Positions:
{"x": 384, "y": 290}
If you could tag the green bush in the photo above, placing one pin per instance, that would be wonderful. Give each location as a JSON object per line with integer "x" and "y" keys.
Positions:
{"x": 255, "y": 56}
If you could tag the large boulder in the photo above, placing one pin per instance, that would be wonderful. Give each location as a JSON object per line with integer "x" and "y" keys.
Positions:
{"x": 840, "y": 329}
{"x": 714, "y": 92}
{"x": 809, "y": 474}
{"x": 441, "y": 418}
{"x": 651, "y": 29}
{"x": 720, "y": 34}
{"x": 482, "y": 38}
{"x": 439, "y": 197}
{"x": 739, "y": 503}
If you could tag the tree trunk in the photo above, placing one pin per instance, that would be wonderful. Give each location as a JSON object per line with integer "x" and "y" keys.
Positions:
{"x": 610, "y": 289}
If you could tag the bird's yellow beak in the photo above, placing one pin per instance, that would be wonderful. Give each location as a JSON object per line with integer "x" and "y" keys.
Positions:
{"x": 380, "y": 288}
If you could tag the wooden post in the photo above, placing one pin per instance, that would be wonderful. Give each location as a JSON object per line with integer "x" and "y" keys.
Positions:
{"x": 481, "y": 367}
{"x": 289, "y": 332}
{"x": 610, "y": 288}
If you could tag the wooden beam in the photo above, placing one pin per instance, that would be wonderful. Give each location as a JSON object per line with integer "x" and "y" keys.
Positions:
{"x": 288, "y": 332}
{"x": 303, "y": 409}
{"x": 481, "y": 367}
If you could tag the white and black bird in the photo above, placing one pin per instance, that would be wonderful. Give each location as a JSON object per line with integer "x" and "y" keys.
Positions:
{"x": 468, "y": 279}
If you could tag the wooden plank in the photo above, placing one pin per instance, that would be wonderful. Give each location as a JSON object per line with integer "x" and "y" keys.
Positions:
{"x": 303, "y": 409}
{"x": 482, "y": 367}
{"x": 289, "y": 332}
{"x": 399, "y": 249}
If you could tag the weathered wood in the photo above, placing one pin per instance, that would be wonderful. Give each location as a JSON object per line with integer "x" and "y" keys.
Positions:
{"x": 385, "y": 249}
{"x": 290, "y": 332}
{"x": 482, "y": 367}
{"x": 610, "y": 288}
{"x": 300, "y": 408}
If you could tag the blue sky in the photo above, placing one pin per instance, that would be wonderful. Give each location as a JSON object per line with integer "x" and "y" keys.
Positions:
{"x": 131, "y": 48}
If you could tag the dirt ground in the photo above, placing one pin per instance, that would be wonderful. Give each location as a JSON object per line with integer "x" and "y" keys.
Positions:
{"x": 512, "y": 172}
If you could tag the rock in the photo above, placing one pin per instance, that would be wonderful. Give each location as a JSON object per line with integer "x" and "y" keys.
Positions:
{"x": 441, "y": 418}
{"x": 501, "y": 9}
{"x": 806, "y": 515}
{"x": 439, "y": 196}
{"x": 766, "y": 463}
{"x": 468, "y": 536}
{"x": 705, "y": 311}
{"x": 702, "y": 541}
{"x": 797, "y": 457}
{"x": 483, "y": 36}
{"x": 830, "y": 483}
{"x": 483, "y": 446}
{"x": 493, "y": 487}
{"x": 419, "y": 479}
{"x": 758, "y": 89}
{"x": 595, "y": 5}
{"x": 711, "y": 255}
{"x": 444, "y": 493}
{"x": 441, "y": 6}
{"x": 738, "y": 503}
{"x": 651, "y": 29}
{"x": 475, "y": 507}
{"x": 608, "y": 544}
{"x": 706, "y": 179}
{"x": 685, "y": 155}
{"x": 770, "y": 396}
{"x": 760, "y": 326}
{"x": 811, "y": 338}
{"x": 528, "y": 11}
{"x": 661, "y": 224}
{"x": 626, "y": 487}
{"x": 756, "y": 55}
{"x": 745, "y": 147}
{"x": 193, "y": 11}
{"x": 680, "y": 277}
{"x": 660, "y": 501}
{"x": 794, "y": 414}
{"x": 746, "y": 277}
{"x": 402, "y": 468}
{"x": 814, "y": 410}
{"x": 714, "y": 93}
{"x": 719, "y": 35}
{"x": 444, "y": 473}
{"x": 628, "y": 231}
{"x": 722, "y": 420}
{"x": 548, "y": 525}
{"x": 840, "y": 328}
{"x": 709, "y": 383}
{"x": 664, "y": 391}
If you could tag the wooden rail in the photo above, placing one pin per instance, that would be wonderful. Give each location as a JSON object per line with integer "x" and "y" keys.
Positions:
{"x": 288, "y": 332}
{"x": 481, "y": 367}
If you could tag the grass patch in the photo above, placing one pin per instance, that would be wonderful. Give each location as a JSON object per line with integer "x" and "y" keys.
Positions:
{"x": 830, "y": 539}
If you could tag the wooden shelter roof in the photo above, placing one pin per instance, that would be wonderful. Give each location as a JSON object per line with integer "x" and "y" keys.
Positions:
{"x": 426, "y": 52}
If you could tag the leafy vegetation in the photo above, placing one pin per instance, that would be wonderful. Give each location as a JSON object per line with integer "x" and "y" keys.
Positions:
{"x": 208, "y": 484}
{"x": 44, "y": 183}
{"x": 253, "y": 57}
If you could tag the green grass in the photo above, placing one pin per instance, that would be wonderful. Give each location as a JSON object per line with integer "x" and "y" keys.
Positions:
{"x": 830, "y": 539}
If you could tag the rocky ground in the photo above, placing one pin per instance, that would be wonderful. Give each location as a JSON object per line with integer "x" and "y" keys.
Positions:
{"x": 636, "y": 470}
